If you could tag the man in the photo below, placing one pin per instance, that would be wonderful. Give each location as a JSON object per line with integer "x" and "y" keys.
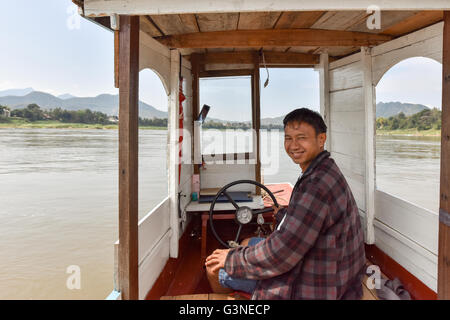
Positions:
{"x": 317, "y": 249}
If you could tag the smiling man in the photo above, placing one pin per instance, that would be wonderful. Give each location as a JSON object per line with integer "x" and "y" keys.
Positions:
{"x": 316, "y": 250}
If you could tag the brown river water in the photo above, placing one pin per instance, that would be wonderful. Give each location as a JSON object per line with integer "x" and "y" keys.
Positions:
{"x": 59, "y": 190}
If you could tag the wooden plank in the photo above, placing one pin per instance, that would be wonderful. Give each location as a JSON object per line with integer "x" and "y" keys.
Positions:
{"x": 209, "y": 22}
{"x": 339, "y": 20}
{"x": 444, "y": 207}
{"x": 225, "y": 73}
{"x": 336, "y": 51}
{"x": 418, "y": 224}
{"x": 415, "y": 22}
{"x": 346, "y": 77}
{"x": 298, "y": 20}
{"x": 348, "y": 122}
{"x": 148, "y": 26}
{"x": 271, "y": 58}
{"x": 139, "y": 7}
{"x": 290, "y": 58}
{"x": 190, "y": 22}
{"x": 188, "y": 246}
{"x": 345, "y": 61}
{"x": 407, "y": 253}
{"x": 171, "y": 24}
{"x": 274, "y": 37}
{"x": 302, "y": 49}
{"x": 153, "y": 264}
{"x": 257, "y": 20}
{"x": 153, "y": 227}
{"x": 349, "y": 163}
{"x": 128, "y": 157}
{"x": 348, "y": 143}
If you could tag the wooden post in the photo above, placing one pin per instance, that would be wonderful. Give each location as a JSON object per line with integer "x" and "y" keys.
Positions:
{"x": 444, "y": 208}
{"x": 195, "y": 98}
{"x": 128, "y": 156}
{"x": 174, "y": 149}
{"x": 325, "y": 95}
{"x": 370, "y": 120}
{"x": 256, "y": 115}
{"x": 116, "y": 59}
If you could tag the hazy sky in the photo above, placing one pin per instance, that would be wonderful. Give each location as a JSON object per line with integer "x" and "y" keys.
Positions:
{"x": 46, "y": 46}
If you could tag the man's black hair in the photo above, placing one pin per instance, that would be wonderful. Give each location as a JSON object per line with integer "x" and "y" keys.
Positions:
{"x": 308, "y": 116}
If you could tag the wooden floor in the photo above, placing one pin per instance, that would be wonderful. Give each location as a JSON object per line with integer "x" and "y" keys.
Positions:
{"x": 190, "y": 282}
{"x": 203, "y": 292}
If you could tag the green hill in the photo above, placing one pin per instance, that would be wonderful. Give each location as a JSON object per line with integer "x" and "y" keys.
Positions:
{"x": 424, "y": 120}
{"x": 389, "y": 109}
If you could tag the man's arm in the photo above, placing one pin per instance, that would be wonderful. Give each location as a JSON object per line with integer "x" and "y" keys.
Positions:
{"x": 287, "y": 245}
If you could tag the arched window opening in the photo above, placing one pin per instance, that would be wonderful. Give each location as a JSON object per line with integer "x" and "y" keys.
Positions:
{"x": 408, "y": 125}
{"x": 153, "y": 117}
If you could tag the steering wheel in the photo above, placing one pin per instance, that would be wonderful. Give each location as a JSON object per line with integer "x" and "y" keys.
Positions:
{"x": 243, "y": 214}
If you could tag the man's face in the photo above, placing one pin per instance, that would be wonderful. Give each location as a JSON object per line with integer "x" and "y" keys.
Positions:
{"x": 302, "y": 144}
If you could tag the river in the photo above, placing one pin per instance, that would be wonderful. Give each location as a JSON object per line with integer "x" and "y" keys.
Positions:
{"x": 58, "y": 200}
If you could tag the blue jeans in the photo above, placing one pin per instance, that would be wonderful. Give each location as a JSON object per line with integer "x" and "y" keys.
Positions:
{"x": 239, "y": 284}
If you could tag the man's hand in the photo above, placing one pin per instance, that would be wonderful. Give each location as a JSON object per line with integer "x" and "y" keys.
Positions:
{"x": 217, "y": 260}
{"x": 274, "y": 221}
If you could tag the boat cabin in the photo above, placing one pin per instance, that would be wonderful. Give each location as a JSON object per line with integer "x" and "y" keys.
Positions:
{"x": 352, "y": 44}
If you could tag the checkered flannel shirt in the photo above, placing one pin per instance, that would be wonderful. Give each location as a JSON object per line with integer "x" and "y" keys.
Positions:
{"x": 316, "y": 250}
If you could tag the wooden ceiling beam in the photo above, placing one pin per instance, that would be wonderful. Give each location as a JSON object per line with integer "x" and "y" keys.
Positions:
{"x": 273, "y": 38}
{"x": 271, "y": 58}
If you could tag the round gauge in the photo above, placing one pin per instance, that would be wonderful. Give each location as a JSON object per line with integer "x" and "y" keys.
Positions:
{"x": 244, "y": 215}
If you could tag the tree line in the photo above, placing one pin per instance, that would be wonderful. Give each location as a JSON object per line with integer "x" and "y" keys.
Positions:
{"x": 238, "y": 125}
{"x": 34, "y": 113}
{"x": 424, "y": 120}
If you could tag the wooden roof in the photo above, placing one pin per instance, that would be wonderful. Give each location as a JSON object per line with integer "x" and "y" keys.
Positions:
{"x": 339, "y": 33}
{"x": 168, "y": 28}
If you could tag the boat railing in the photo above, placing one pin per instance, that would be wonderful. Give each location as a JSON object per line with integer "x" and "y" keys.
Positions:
{"x": 154, "y": 233}
{"x": 409, "y": 234}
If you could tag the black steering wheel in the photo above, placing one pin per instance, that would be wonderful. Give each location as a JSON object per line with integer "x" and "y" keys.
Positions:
{"x": 243, "y": 214}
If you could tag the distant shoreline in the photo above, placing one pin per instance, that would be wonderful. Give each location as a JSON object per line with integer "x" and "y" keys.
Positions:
{"x": 62, "y": 125}
{"x": 409, "y": 133}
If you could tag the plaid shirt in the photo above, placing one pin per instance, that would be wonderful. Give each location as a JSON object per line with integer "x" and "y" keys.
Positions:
{"x": 317, "y": 248}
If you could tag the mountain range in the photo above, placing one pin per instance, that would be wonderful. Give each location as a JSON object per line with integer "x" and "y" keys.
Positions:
{"x": 106, "y": 103}
{"x": 109, "y": 104}
{"x": 388, "y": 109}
